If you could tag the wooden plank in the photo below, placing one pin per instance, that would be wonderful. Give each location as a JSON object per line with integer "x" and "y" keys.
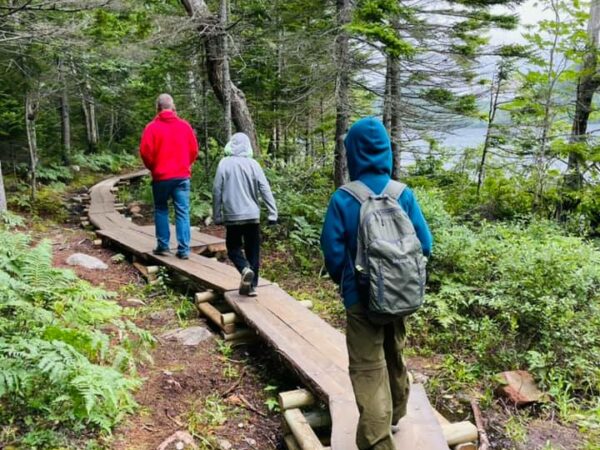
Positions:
{"x": 419, "y": 428}
{"x": 206, "y": 271}
{"x": 199, "y": 242}
{"x": 307, "y": 361}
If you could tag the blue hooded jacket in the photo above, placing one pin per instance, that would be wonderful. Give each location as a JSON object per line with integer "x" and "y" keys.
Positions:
{"x": 369, "y": 156}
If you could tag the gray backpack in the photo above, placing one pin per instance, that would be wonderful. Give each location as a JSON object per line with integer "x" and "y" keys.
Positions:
{"x": 389, "y": 257}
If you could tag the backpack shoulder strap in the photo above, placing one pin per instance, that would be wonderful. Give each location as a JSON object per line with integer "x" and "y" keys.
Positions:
{"x": 358, "y": 190}
{"x": 394, "y": 189}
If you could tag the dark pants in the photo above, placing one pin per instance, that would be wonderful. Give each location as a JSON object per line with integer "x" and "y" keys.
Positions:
{"x": 179, "y": 191}
{"x": 246, "y": 236}
{"x": 379, "y": 377}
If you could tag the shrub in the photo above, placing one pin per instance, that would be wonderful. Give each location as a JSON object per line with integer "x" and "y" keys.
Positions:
{"x": 514, "y": 296}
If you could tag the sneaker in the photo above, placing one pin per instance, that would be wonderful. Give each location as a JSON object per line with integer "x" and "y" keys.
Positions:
{"x": 246, "y": 283}
{"x": 161, "y": 251}
{"x": 183, "y": 255}
{"x": 252, "y": 292}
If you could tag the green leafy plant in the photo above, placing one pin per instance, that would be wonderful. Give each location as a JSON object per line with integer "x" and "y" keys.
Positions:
{"x": 60, "y": 361}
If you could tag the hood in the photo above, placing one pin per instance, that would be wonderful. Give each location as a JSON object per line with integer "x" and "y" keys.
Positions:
{"x": 368, "y": 149}
{"x": 167, "y": 116}
{"x": 239, "y": 145}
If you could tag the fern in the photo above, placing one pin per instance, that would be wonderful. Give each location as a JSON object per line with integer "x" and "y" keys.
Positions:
{"x": 57, "y": 363}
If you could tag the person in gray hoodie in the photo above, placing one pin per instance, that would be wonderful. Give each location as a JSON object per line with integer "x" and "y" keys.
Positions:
{"x": 238, "y": 183}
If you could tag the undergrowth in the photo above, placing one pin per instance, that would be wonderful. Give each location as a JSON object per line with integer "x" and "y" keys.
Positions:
{"x": 67, "y": 356}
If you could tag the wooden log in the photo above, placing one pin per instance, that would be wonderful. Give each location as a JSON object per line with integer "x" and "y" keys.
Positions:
{"x": 318, "y": 418}
{"x": 295, "y": 399}
{"x": 210, "y": 312}
{"x": 466, "y": 446}
{"x": 304, "y": 434}
{"x": 230, "y": 317}
{"x": 308, "y": 304}
{"x": 244, "y": 333}
{"x": 206, "y": 296}
{"x": 147, "y": 271}
{"x": 459, "y": 433}
{"x": 290, "y": 442}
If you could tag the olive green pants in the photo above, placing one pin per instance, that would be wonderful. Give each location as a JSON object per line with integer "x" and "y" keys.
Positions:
{"x": 379, "y": 377}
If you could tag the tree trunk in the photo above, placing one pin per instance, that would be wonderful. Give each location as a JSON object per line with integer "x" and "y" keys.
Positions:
{"x": 226, "y": 76}
{"x": 342, "y": 97}
{"x": 387, "y": 102}
{"x": 2, "y": 192}
{"x": 213, "y": 37}
{"x": 65, "y": 117}
{"x": 494, "y": 94}
{"x": 395, "y": 116}
{"x": 31, "y": 110}
{"x": 89, "y": 112}
{"x": 588, "y": 84}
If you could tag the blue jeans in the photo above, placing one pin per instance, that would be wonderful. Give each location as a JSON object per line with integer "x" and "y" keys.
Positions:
{"x": 179, "y": 191}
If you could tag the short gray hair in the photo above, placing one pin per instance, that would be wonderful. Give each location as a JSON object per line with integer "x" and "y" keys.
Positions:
{"x": 164, "y": 101}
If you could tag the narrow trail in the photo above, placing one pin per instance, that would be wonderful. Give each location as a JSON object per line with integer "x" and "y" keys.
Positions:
{"x": 311, "y": 347}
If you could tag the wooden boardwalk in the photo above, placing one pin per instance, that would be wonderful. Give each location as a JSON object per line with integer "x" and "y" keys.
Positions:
{"x": 313, "y": 349}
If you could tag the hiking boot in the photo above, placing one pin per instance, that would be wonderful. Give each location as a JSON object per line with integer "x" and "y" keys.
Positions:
{"x": 252, "y": 292}
{"x": 246, "y": 283}
{"x": 183, "y": 255}
{"x": 161, "y": 251}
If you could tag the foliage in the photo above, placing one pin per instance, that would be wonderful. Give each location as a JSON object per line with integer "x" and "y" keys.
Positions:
{"x": 60, "y": 367}
{"x": 506, "y": 293}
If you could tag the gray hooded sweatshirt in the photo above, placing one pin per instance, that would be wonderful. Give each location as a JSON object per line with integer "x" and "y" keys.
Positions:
{"x": 238, "y": 182}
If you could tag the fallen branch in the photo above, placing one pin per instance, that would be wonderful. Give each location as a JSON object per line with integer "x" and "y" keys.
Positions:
{"x": 484, "y": 442}
{"x": 234, "y": 385}
{"x": 250, "y": 406}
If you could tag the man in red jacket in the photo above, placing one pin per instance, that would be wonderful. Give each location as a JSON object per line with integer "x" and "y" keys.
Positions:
{"x": 168, "y": 149}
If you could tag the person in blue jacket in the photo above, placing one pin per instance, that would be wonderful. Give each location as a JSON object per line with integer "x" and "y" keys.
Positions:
{"x": 377, "y": 370}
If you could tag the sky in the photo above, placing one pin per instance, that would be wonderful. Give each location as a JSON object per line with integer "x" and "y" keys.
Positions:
{"x": 530, "y": 13}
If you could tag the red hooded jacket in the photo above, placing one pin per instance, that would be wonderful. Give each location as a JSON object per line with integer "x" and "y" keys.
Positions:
{"x": 169, "y": 147}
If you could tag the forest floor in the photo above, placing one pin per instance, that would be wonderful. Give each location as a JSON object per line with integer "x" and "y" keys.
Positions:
{"x": 198, "y": 389}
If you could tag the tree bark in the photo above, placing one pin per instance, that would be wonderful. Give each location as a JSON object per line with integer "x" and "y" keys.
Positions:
{"x": 387, "y": 101}
{"x": 31, "y": 110}
{"x": 2, "y": 192}
{"x": 588, "y": 84}
{"x": 342, "y": 97}
{"x": 65, "y": 116}
{"x": 395, "y": 117}
{"x": 213, "y": 37}
{"x": 226, "y": 76}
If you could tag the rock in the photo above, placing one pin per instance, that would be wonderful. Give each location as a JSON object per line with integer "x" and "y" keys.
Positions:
{"x": 188, "y": 336}
{"x": 163, "y": 315}
{"x": 135, "y": 209}
{"x": 224, "y": 444}
{"x": 518, "y": 386}
{"x": 251, "y": 442}
{"x": 137, "y": 216}
{"x": 134, "y": 302}
{"x": 181, "y": 440}
{"x": 87, "y": 261}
